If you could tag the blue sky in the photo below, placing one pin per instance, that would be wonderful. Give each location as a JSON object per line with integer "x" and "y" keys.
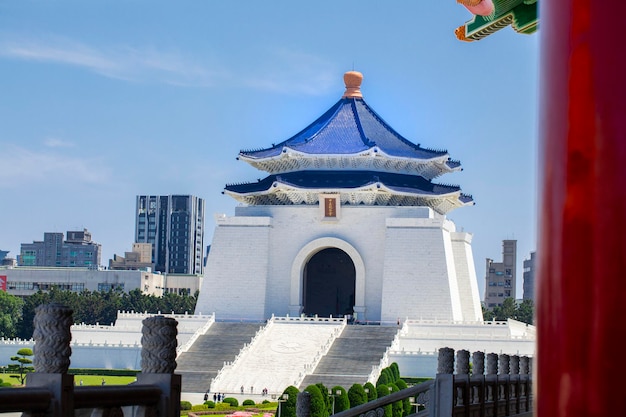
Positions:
{"x": 101, "y": 101}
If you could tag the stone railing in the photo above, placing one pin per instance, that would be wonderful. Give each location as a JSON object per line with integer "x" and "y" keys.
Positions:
{"x": 505, "y": 389}
{"x": 202, "y": 330}
{"x": 312, "y": 364}
{"x": 50, "y": 390}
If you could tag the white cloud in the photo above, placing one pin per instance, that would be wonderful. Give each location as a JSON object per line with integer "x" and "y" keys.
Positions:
{"x": 57, "y": 143}
{"x": 22, "y": 167}
{"x": 122, "y": 62}
{"x": 290, "y": 71}
{"x": 293, "y": 72}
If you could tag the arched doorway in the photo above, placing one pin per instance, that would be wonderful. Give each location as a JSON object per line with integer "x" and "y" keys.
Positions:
{"x": 329, "y": 282}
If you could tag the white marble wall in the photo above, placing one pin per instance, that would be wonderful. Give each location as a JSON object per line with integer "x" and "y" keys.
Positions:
{"x": 405, "y": 260}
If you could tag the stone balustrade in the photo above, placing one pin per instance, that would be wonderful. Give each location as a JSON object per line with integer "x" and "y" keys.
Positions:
{"x": 50, "y": 390}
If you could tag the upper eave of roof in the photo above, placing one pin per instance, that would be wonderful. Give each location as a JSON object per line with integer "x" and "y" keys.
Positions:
{"x": 348, "y": 127}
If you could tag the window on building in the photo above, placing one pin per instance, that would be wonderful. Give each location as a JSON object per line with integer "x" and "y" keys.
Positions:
{"x": 508, "y": 272}
{"x": 106, "y": 287}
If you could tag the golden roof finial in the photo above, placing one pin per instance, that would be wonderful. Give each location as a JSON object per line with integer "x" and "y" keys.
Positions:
{"x": 353, "y": 80}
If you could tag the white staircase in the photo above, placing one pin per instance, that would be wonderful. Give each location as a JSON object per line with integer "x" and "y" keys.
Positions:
{"x": 281, "y": 354}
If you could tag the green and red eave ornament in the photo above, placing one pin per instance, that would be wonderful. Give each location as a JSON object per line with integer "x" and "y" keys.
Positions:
{"x": 493, "y": 15}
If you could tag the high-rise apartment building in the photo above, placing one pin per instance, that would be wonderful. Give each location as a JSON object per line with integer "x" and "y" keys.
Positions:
{"x": 529, "y": 278}
{"x": 77, "y": 250}
{"x": 174, "y": 225}
{"x": 500, "y": 276}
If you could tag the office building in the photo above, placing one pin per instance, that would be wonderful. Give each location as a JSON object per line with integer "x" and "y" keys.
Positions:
{"x": 77, "y": 250}
{"x": 500, "y": 276}
{"x": 174, "y": 225}
{"x": 140, "y": 258}
{"x": 529, "y": 277}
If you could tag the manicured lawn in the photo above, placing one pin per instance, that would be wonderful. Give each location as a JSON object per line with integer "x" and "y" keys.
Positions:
{"x": 87, "y": 379}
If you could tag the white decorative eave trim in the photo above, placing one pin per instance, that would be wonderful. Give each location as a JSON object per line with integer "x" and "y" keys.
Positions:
{"x": 369, "y": 195}
{"x": 373, "y": 159}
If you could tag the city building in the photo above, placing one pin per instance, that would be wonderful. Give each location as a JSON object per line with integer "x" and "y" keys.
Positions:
{"x": 529, "y": 277}
{"x": 77, "y": 250}
{"x": 174, "y": 225}
{"x": 139, "y": 258}
{"x": 24, "y": 281}
{"x": 348, "y": 223}
{"x": 500, "y": 276}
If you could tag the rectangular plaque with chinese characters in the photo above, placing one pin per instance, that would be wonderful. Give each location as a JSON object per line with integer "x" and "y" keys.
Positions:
{"x": 330, "y": 207}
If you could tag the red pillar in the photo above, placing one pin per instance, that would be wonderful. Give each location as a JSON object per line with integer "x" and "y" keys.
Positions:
{"x": 581, "y": 283}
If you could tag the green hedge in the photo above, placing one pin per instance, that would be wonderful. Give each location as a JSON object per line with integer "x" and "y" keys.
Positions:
{"x": 232, "y": 401}
{"x": 103, "y": 372}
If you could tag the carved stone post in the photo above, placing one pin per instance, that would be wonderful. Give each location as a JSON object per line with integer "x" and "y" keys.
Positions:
{"x": 478, "y": 363}
{"x": 515, "y": 365}
{"x": 444, "y": 383}
{"x": 52, "y": 339}
{"x": 503, "y": 364}
{"x": 158, "y": 342}
{"x": 158, "y": 362}
{"x": 445, "y": 361}
{"x": 51, "y": 359}
{"x": 462, "y": 362}
{"x": 303, "y": 404}
{"x": 492, "y": 363}
{"x": 523, "y": 365}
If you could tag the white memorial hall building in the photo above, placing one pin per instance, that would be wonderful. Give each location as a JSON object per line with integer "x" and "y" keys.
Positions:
{"x": 348, "y": 222}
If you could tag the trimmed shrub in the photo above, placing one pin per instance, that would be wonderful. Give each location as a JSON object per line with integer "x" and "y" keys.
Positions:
{"x": 210, "y": 404}
{"x": 288, "y": 408}
{"x": 185, "y": 405}
{"x": 372, "y": 394}
{"x": 327, "y": 399}
{"x": 395, "y": 370}
{"x": 232, "y": 401}
{"x": 103, "y": 372}
{"x": 341, "y": 401}
{"x": 318, "y": 406}
{"x": 382, "y": 390}
{"x": 265, "y": 402}
{"x": 248, "y": 402}
{"x": 356, "y": 395}
{"x": 383, "y": 379}
{"x": 406, "y": 403}
{"x": 397, "y": 408}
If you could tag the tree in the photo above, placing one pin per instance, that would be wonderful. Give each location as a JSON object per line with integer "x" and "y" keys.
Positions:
{"x": 30, "y": 303}
{"x": 487, "y": 314}
{"x": 525, "y": 312}
{"x": 11, "y": 308}
{"x": 508, "y": 309}
{"x": 21, "y": 367}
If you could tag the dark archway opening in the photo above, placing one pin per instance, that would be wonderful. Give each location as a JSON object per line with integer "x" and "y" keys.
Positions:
{"x": 329, "y": 284}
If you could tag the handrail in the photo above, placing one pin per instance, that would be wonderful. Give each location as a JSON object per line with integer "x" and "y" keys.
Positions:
{"x": 413, "y": 391}
{"x": 116, "y": 396}
{"x": 24, "y": 399}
